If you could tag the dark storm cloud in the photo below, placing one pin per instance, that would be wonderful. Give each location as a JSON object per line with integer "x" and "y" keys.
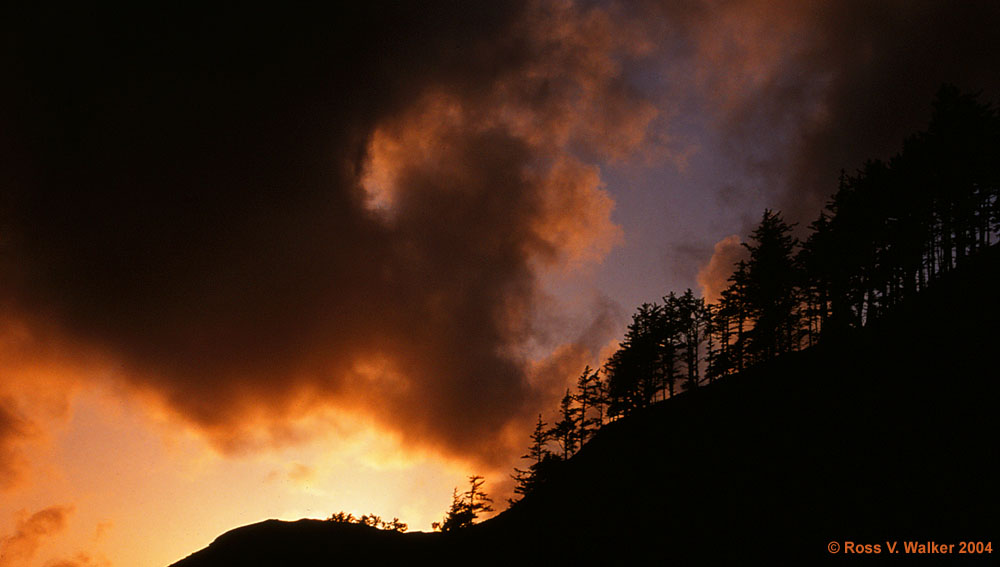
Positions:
{"x": 805, "y": 89}
{"x": 260, "y": 214}
{"x": 886, "y": 66}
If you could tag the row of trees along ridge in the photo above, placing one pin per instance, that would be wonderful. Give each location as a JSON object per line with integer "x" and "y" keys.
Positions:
{"x": 888, "y": 232}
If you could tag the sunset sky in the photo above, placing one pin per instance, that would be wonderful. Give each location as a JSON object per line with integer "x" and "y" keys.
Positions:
{"x": 279, "y": 265}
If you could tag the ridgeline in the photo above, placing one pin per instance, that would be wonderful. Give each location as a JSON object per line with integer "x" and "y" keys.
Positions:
{"x": 885, "y": 434}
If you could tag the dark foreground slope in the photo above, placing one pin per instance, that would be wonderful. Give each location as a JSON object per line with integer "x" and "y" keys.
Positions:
{"x": 888, "y": 435}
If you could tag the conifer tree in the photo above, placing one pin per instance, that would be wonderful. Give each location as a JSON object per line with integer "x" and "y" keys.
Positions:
{"x": 692, "y": 321}
{"x": 466, "y": 507}
{"x": 526, "y": 480}
{"x": 589, "y": 398}
{"x": 565, "y": 432}
{"x": 732, "y": 324}
{"x": 770, "y": 293}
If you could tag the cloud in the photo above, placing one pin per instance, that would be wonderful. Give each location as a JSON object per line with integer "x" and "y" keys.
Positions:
{"x": 253, "y": 218}
{"x": 14, "y": 429}
{"x": 271, "y": 215}
{"x": 681, "y": 259}
{"x": 82, "y": 560}
{"x": 102, "y": 529}
{"x": 802, "y": 90}
{"x": 19, "y": 548}
{"x": 41, "y": 373}
{"x": 714, "y": 275}
{"x": 301, "y": 474}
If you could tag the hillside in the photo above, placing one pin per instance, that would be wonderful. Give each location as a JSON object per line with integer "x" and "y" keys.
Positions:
{"x": 888, "y": 434}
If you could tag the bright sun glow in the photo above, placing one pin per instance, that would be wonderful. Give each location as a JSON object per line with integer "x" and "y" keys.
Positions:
{"x": 123, "y": 476}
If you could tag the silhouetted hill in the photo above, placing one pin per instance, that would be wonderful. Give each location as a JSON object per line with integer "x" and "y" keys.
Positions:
{"x": 887, "y": 434}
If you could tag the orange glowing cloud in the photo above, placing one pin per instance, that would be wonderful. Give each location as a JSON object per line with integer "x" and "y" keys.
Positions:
{"x": 363, "y": 245}
{"x": 302, "y": 474}
{"x": 81, "y": 560}
{"x": 363, "y": 231}
{"x": 41, "y": 373}
{"x": 575, "y": 218}
{"x": 14, "y": 428}
{"x": 744, "y": 46}
{"x": 20, "y": 547}
{"x": 714, "y": 275}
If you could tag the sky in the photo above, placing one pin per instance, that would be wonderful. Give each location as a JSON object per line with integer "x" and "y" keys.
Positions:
{"x": 282, "y": 264}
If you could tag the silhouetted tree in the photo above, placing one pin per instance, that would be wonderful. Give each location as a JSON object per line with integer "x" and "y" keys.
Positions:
{"x": 466, "y": 507}
{"x": 819, "y": 279}
{"x": 733, "y": 323}
{"x": 887, "y": 232}
{"x": 958, "y": 164}
{"x": 691, "y": 319}
{"x": 717, "y": 347}
{"x": 371, "y": 520}
{"x": 892, "y": 227}
{"x": 645, "y": 362}
{"x": 458, "y": 516}
{"x": 542, "y": 461}
{"x": 590, "y": 397}
{"x": 770, "y": 287}
{"x": 396, "y": 526}
{"x": 565, "y": 432}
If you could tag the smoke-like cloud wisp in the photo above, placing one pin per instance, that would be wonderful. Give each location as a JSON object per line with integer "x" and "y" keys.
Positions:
{"x": 30, "y": 533}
